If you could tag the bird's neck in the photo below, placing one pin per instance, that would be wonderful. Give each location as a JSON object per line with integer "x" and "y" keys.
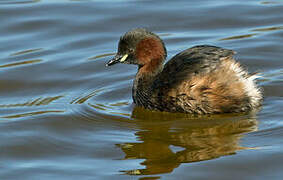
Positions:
{"x": 142, "y": 88}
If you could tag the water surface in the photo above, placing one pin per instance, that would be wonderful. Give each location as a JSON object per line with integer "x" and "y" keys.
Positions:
{"x": 64, "y": 115}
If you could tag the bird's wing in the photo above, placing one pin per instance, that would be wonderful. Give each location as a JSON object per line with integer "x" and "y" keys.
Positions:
{"x": 191, "y": 62}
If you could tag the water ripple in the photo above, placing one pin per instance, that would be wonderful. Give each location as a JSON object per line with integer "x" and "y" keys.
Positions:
{"x": 19, "y": 1}
{"x": 32, "y": 114}
{"x": 21, "y": 63}
{"x": 101, "y": 56}
{"x": 80, "y": 100}
{"x": 275, "y": 28}
{"x": 26, "y": 51}
{"x": 238, "y": 37}
{"x": 36, "y": 102}
{"x": 270, "y": 2}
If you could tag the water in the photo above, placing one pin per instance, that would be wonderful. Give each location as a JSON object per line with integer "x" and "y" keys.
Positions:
{"x": 64, "y": 115}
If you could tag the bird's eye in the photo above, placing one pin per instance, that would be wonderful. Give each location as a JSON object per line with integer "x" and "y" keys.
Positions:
{"x": 131, "y": 50}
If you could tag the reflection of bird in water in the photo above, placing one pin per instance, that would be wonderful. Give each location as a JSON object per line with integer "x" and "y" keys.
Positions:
{"x": 167, "y": 140}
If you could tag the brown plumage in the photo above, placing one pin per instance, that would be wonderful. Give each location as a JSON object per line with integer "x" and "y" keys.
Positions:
{"x": 202, "y": 79}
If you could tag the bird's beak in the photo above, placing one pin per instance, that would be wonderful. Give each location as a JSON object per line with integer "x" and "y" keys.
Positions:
{"x": 118, "y": 58}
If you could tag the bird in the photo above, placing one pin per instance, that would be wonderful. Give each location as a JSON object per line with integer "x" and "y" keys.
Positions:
{"x": 203, "y": 79}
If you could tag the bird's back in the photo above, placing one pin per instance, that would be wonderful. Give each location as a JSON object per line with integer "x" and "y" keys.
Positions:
{"x": 205, "y": 79}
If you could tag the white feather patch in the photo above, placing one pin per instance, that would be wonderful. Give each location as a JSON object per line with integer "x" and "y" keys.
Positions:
{"x": 251, "y": 89}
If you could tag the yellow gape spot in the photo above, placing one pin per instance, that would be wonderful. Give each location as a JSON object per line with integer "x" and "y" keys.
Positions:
{"x": 124, "y": 58}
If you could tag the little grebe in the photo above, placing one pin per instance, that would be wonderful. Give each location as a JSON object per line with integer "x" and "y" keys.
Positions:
{"x": 202, "y": 79}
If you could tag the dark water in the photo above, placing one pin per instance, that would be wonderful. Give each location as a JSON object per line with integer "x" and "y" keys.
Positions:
{"x": 64, "y": 115}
